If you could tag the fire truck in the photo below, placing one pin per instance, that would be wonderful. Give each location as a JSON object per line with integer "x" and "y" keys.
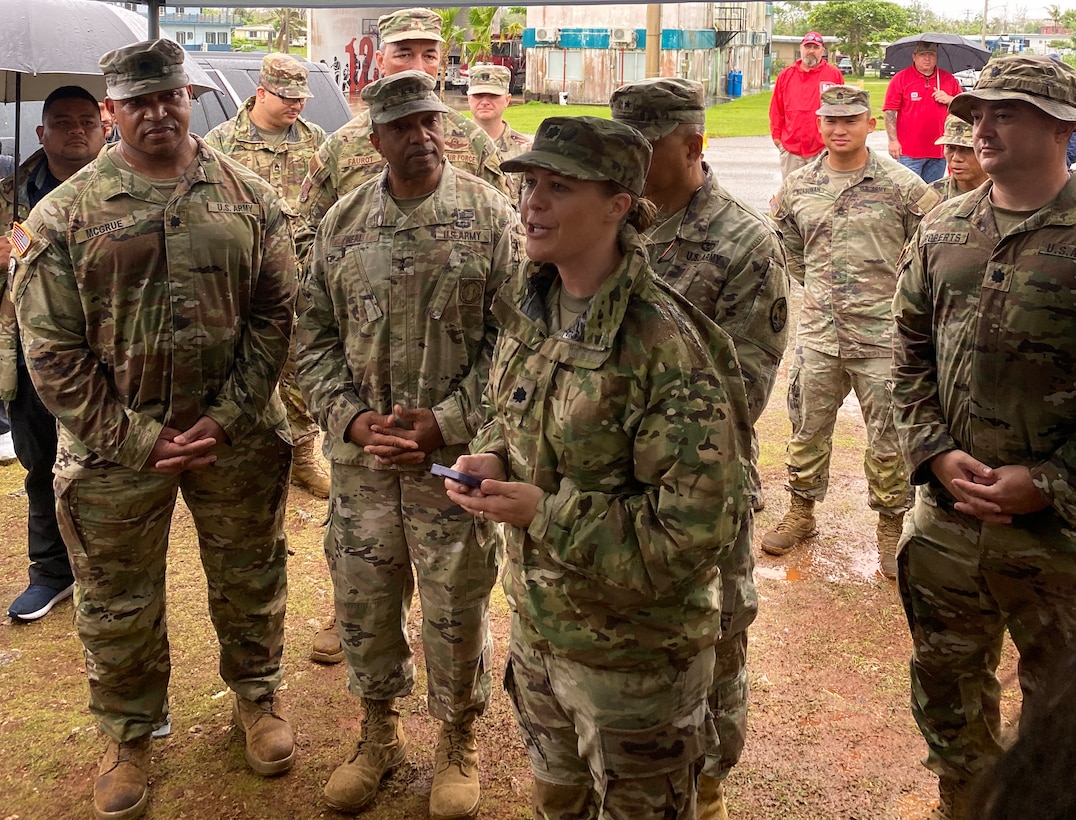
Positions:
{"x": 508, "y": 52}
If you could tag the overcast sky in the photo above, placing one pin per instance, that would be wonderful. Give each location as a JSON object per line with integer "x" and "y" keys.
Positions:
{"x": 1033, "y": 9}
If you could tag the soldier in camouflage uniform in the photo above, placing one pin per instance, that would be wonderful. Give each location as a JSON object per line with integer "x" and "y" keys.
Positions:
{"x": 488, "y": 95}
{"x": 982, "y": 386}
{"x": 155, "y": 294}
{"x": 71, "y": 136}
{"x": 395, "y": 340}
{"x": 728, "y": 261}
{"x": 616, "y": 457}
{"x": 965, "y": 172}
{"x": 269, "y": 137}
{"x": 410, "y": 40}
{"x": 845, "y": 218}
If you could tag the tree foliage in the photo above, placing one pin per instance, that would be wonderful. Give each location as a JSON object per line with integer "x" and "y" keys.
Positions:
{"x": 289, "y": 24}
{"x": 790, "y": 18}
{"x": 859, "y": 25}
{"x": 481, "y": 20}
{"x": 452, "y": 35}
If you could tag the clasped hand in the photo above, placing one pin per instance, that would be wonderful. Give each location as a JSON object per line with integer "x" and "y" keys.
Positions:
{"x": 404, "y": 436}
{"x": 176, "y": 452}
{"x": 991, "y": 494}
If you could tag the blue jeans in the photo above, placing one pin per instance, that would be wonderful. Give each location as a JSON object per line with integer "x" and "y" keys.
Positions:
{"x": 929, "y": 169}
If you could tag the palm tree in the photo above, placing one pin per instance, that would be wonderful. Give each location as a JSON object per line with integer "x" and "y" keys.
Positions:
{"x": 452, "y": 35}
{"x": 481, "y": 19}
{"x": 289, "y": 25}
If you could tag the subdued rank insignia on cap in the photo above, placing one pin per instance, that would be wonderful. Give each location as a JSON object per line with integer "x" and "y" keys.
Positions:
{"x": 20, "y": 238}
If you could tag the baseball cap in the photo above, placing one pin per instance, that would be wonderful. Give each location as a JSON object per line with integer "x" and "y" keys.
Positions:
{"x": 923, "y": 45}
{"x": 399, "y": 95}
{"x": 145, "y": 67}
{"x": 844, "y": 101}
{"x": 588, "y": 148}
{"x": 409, "y": 24}
{"x": 655, "y": 107}
{"x": 284, "y": 76}
{"x": 812, "y": 37}
{"x": 489, "y": 79}
{"x": 1046, "y": 84}
{"x": 956, "y": 132}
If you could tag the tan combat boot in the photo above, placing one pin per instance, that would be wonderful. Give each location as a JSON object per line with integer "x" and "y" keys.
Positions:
{"x": 326, "y": 647}
{"x": 308, "y": 470}
{"x": 711, "y": 799}
{"x": 381, "y": 748}
{"x": 889, "y": 529}
{"x": 797, "y": 525}
{"x": 952, "y": 800}
{"x": 455, "y": 791}
{"x": 270, "y": 744}
{"x": 121, "y": 790}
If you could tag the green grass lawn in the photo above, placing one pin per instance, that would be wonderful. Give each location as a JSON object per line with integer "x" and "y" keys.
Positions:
{"x": 744, "y": 117}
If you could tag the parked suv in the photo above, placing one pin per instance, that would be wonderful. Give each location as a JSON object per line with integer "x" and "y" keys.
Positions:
{"x": 845, "y": 65}
{"x": 237, "y": 75}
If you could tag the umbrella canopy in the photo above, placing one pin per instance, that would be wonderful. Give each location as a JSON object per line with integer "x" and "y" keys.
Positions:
{"x": 50, "y": 43}
{"x": 955, "y": 53}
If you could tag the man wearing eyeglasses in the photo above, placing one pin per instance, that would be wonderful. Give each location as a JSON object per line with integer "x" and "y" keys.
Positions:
{"x": 270, "y": 137}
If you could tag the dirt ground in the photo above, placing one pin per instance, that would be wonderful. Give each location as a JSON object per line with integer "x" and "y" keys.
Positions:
{"x": 830, "y": 733}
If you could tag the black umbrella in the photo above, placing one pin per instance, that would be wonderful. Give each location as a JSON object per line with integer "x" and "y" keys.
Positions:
{"x": 50, "y": 43}
{"x": 955, "y": 53}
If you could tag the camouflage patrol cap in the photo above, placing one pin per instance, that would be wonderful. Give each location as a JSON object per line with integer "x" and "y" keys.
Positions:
{"x": 399, "y": 95}
{"x": 409, "y": 24}
{"x": 284, "y": 76}
{"x": 489, "y": 79}
{"x": 144, "y": 68}
{"x": 655, "y": 107}
{"x": 844, "y": 101}
{"x": 957, "y": 132}
{"x": 588, "y": 148}
{"x": 1046, "y": 84}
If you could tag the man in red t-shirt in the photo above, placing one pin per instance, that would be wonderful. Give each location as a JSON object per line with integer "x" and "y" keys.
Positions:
{"x": 796, "y": 97}
{"x": 916, "y": 104}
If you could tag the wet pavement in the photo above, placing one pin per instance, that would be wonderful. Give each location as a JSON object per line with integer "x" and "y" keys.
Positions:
{"x": 845, "y": 550}
{"x": 749, "y": 168}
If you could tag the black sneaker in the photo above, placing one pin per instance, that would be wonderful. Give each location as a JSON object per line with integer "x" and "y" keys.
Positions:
{"x": 37, "y": 601}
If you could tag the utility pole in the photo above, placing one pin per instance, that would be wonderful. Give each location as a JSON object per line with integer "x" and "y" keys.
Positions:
{"x": 986, "y": 13}
{"x": 653, "y": 40}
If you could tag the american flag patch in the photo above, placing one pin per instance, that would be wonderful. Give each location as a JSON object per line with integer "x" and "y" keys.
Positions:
{"x": 20, "y": 238}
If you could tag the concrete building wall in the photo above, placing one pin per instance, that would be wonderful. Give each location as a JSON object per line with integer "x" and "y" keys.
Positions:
{"x": 345, "y": 40}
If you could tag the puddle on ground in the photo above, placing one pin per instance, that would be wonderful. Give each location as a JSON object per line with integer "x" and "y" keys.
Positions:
{"x": 831, "y": 558}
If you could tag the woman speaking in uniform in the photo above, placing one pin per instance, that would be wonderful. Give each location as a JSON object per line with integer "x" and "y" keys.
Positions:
{"x": 614, "y": 453}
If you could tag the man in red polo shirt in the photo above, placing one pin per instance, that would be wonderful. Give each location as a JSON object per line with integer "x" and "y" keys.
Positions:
{"x": 916, "y": 104}
{"x": 796, "y": 97}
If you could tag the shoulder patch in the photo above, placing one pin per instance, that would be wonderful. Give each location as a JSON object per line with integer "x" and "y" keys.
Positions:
{"x": 20, "y": 238}
{"x": 779, "y": 315}
{"x": 470, "y": 291}
{"x": 928, "y": 200}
